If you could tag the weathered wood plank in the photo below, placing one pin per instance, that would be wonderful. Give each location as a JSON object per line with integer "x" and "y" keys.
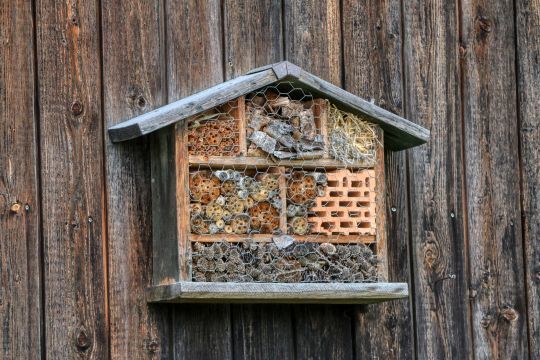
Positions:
{"x": 20, "y": 275}
{"x": 253, "y": 37}
{"x": 432, "y": 83}
{"x": 344, "y": 239}
{"x": 492, "y": 169}
{"x": 262, "y": 331}
{"x": 243, "y": 162}
{"x": 372, "y": 46}
{"x": 312, "y": 37}
{"x": 313, "y": 41}
{"x": 133, "y": 84}
{"x": 201, "y": 332}
{"x": 195, "y": 62}
{"x": 71, "y": 145}
{"x": 528, "y": 53}
{"x": 306, "y": 293}
{"x": 188, "y": 106}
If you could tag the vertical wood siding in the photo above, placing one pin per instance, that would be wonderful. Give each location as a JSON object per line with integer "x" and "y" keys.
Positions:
{"x": 463, "y": 210}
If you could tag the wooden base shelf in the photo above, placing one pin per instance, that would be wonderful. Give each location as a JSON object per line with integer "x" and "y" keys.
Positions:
{"x": 336, "y": 239}
{"x": 306, "y": 293}
{"x": 247, "y": 162}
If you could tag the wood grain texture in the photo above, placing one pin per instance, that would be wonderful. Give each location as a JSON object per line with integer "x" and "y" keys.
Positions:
{"x": 498, "y": 304}
{"x": 71, "y": 143}
{"x": 262, "y": 331}
{"x": 304, "y": 293}
{"x": 372, "y": 46}
{"x": 253, "y": 37}
{"x": 313, "y": 41}
{"x": 432, "y": 83}
{"x": 202, "y": 332}
{"x": 312, "y": 37}
{"x": 133, "y": 66}
{"x": 323, "y": 331}
{"x": 195, "y": 62}
{"x": 528, "y": 54}
{"x": 20, "y": 275}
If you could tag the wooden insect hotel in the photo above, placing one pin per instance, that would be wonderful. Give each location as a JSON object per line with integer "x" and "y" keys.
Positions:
{"x": 270, "y": 188}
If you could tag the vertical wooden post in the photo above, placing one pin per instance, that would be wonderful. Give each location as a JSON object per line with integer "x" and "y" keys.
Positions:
{"x": 170, "y": 178}
{"x": 182, "y": 199}
{"x": 380, "y": 206}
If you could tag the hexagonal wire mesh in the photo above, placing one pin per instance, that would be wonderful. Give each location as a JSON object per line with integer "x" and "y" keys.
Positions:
{"x": 294, "y": 212}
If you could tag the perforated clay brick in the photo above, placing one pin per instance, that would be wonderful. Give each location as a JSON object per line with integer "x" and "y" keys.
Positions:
{"x": 348, "y": 206}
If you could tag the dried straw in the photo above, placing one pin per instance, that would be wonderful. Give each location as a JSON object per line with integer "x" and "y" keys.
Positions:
{"x": 351, "y": 139}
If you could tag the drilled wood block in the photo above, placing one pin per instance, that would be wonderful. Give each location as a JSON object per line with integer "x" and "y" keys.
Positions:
{"x": 348, "y": 206}
{"x": 218, "y": 132}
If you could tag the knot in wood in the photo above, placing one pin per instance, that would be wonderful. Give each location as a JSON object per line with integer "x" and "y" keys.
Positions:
{"x": 151, "y": 346}
{"x": 141, "y": 102}
{"x": 15, "y": 208}
{"x": 509, "y": 313}
{"x": 77, "y": 108}
{"x": 536, "y": 275}
{"x": 486, "y": 321}
{"x": 462, "y": 51}
{"x": 82, "y": 341}
{"x": 484, "y": 24}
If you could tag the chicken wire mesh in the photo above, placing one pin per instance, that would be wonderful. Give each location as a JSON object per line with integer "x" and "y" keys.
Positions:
{"x": 292, "y": 196}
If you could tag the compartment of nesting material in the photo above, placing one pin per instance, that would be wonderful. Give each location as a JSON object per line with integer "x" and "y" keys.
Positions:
{"x": 351, "y": 138}
{"x": 281, "y": 123}
{"x": 303, "y": 188}
{"x": 266, "y": 262}
{"x": 235, "y": 202}
{"x": 216, "y": 132}
{"x": 347, "y": 205}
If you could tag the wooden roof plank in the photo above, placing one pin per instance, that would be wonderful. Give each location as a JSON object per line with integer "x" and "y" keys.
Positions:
{"x": 191, "y": 105}
{"x": 399, "y": 133}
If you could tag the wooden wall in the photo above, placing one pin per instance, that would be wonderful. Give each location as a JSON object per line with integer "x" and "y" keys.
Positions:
{"x": 75, "y": 210}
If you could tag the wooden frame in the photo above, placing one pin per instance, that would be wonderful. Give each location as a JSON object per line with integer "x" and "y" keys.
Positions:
{"x": 171, "y": 164}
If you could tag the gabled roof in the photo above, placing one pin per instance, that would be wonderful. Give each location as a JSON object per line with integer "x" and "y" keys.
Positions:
{"x": 399, "y": 133}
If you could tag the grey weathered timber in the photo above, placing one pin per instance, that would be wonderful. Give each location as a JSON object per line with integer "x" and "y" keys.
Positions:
{"x": 382, "y": 331}
{"x": 432, "y": 78}
{"x": 308, "y": 293}
{"x": 492, "y": 166}
{"x": 528, "y": 53}
{"x": 399, "y": 133}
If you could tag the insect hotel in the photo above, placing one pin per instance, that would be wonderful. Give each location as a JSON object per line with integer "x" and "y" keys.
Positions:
{"x": 270, "y": 188}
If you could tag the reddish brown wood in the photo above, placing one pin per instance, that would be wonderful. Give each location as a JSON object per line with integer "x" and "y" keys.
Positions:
{"x": 195, "y": 62}
{"x": 72, "y": 180}
{"x": 133, "y": 84}
{"x": 20, "y": 274}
